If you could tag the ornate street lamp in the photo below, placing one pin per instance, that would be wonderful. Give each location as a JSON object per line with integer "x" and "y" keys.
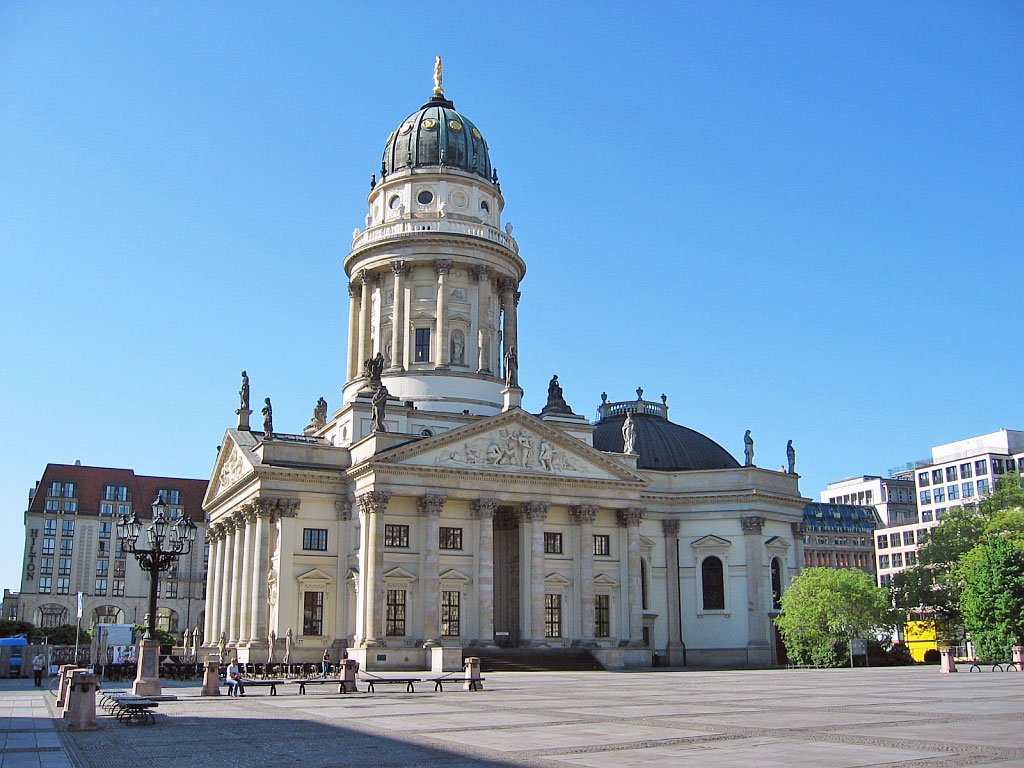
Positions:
{"x": 166, "y": 543}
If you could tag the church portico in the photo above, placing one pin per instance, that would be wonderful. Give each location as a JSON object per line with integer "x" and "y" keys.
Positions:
{"x": 432, "y": 513}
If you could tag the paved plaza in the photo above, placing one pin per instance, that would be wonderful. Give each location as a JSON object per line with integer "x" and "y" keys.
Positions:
{"x": 864, "y": 717}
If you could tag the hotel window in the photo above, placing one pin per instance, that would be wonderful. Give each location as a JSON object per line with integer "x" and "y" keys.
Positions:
{"x": 981, "y": 467}
{"x": 396, "y": 536}
{"x": 911, "y": 558}
{"x": 936, "y": 475}
{"x": 982, "y": 486}
{"x": 712, "y": 584}
{"x": 965, "y": 471}
{"x": 927, "y": 516}
{"x": 102, "y": 566}
{"x": 66, "y": 546}
{"x": 997, "y": 466}
{"x": 883, "y": 541}
{"x": 602, "y": 615}
{"x": 926, "y": 497}
{"x": 449, "y": 538}
{"x": 45, "y": 585}
{"x": 883, "y": 561}
{"x": 52, "y": 505}
{"x": 394, "y": 625}
{"x": 46, "y": 566}
{"x": 968, "y": 489}
{"x": 602, "y": 544}
{"x": 950, "y": 474}
{"x": 897, "y": 559}
{"x": 49, "y": 527}
{"x": 124, "y": 509}
{"x": 63, "y": 586}
{"x": 939, "y": 494}
{"x": 922, "y": 535}
{"x": 952, "y": 492}
{"x": 894, "y": 539}
{"x": 100, "y": 587}
{"x": 67, "y": 528}
{"x": 312, "y": 613}
{"x": 314, "y": 538}
{"x": 552, "y": 544}
{"x": 64, "y": 566}
{"x": 552, "y": 615}
{"x": 908, "y": 538}
{"x": 48, "y": 545}
{"x": 118, "y": 590}
{"x": 119, "y": 566}
{"x": 172, "y": 589}
{"x": 71, "y": 506}
{"x": 170, "y": 495}
{"x": 922, "y": 479}
{"x": 422, "y": 346}
{"x": 106, "y": 509}
{"x": 450, "y": 613}
{"x": 105, "y": 529}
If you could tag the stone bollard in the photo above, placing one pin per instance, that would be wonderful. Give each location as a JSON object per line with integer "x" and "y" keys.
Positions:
{"x": 1018, "y": 657}
{"x": 472, "y": 667}
{"x": 81, "y": 711}
{"x": 211, "y": 678}
{"x": 948, "y": 664}
{"x": 63, "y": 678}
{"x": 349, "y": 668}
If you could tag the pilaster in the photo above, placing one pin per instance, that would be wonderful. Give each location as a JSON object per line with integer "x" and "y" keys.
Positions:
{"x": 630, "y": 519}
{"x": 431, "y": 507}
{"x": 583, "y": 517}
{"x": 483, "y": 511}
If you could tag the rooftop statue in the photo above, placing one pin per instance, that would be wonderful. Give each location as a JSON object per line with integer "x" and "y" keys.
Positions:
{"x": 629, "y": 434}
{"x": 243, "y": 393}
{"x": 791, "y": 457}
{"x": 268, "y": 419}
{"x": 438, "y": 85}
{"x": 379, "y": 404}
{"x": 556, "y": 402}
{"x": 374, "y": 367}
{"x": 748, "y": 449}
{"x": 511, "y": 368}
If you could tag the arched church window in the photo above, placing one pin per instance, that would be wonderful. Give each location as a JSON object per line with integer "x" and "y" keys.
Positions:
{"x": 167, "y": 620}
{"x": 776, "y": 583}
{"x": 713, "y": 583}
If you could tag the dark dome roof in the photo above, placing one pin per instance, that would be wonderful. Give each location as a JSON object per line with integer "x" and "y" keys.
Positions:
{"x": 663, "y": 445}
{"x": 435, "y": 136}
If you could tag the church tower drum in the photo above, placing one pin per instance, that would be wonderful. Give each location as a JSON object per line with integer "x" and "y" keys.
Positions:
{"x": 433, "y": 277}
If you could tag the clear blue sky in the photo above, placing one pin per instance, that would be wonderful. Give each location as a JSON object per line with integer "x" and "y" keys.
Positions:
{"x": 803, "y": 219}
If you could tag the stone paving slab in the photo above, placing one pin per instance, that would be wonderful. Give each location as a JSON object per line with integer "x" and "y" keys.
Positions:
{"x": 897, "y": 718}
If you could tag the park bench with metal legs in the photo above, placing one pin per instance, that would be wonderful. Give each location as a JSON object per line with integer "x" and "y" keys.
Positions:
{"x": 475, "y": 683}
{"x": 271, "y": 684}
{"x": 320, "y": 681}
{"x": 408, "y": 681}
{"x": 997, "y": 666}
{"x": 129, "y": 708}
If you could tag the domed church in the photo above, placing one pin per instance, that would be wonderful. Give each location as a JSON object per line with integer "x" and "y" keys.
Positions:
{"x": 431, "y": 517}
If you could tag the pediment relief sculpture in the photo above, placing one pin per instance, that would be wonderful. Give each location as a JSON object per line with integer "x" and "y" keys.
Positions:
{"x": 512, "y": 448}
{"x": 232, "y": 470}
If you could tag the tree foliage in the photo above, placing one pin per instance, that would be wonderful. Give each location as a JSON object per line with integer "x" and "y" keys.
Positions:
{"x": 823, "y": 608}
{"x": 992, "y": 600}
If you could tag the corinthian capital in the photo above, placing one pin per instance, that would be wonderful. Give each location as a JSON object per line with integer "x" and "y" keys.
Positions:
{"x": 536, "y": 511}
{"x": 631, "y": 516}
{"x": 671, "y": 528}
{"x": 752, "y": 523}
{"x": 443, "y": 266}
{"x": 584, "y": 513}
{"x": 373, "y": 501}
{"x": 432, "y": 504}
{"x": 483, "y": 509}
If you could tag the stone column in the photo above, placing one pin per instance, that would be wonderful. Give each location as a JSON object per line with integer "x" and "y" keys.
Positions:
{"x": 583, "y": 516}
{"x": 483, "y": 318}
{"x": 258, "y": 627}
{"x": 537, "y": 512}
{"x": 248, "y": 523}
{"x": 799, "y": 531}
{"x": 211, "y": 627}
{"x": 483, "y": 510}
{"x": 225, "y": 575}
{"x": 398, "y": 317}
{"x": 431, "y": 507}
{"x": 675, "y": 628}
{"x": 237, "y": 597}
{"x": 631, "y": 519}
{"x": 365, "y": 351}
{"x": 352, "y": 369}
{"x": 442, "y": 267}
{"x": 371, "y": 511}
{"x": 288, "y": 608}
{"x": 753, "y": 551}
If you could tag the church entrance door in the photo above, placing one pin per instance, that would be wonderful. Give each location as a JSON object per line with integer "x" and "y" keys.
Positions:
{"x": 506, "y": 578}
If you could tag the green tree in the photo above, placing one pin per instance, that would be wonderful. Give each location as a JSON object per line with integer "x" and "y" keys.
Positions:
{"x": 823, "y": 608}
{"x": 992, "y": 599}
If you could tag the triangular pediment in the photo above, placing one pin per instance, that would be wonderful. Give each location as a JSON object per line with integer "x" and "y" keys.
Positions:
{"x": 513, "y": 442}
{"x": 711, "y": 542}
{"x": 315, "y": 575}
{"x": 235, "y": 461}
{"x": 777, "y": 544}
{"x": 399, "y": 574}
{"x": 454, "y": 575}
{"x": 557, "y": 580}
{"x": 604, "y": 580}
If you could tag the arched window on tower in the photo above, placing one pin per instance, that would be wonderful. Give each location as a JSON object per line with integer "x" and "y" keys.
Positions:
{"x": 776, "y": 583}
{"x": 713, "y": 584}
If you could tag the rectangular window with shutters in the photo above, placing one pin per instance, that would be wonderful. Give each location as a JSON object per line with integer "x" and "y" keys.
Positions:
{"x": 602, "y": 615}
{"x": 394, "y": 623}
{"x": 450, "y": 613}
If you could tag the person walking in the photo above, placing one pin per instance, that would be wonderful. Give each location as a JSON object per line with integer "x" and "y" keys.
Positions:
{"x": 37, "y": 669}
{"x": 325, "y": 664}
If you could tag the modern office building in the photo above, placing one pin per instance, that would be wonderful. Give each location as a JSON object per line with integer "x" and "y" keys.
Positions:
{"x": 893, "y": 498}
{"x": 431, "y": 513}
{"x": 840, "y": 536}
{"x": 71, "y": 546}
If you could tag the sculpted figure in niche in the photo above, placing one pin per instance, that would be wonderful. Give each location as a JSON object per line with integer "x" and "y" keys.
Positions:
{"x": 629, "y": 434}
{"x": 748, "y": 449}
{"x": 511, "y": 368}
{"x": 458, "y": 348}
{"x": 268, "y": 419}
{"x": 243, "y": 393}
{"x": 791, "y": 457}
{"x": 379, "y": 404}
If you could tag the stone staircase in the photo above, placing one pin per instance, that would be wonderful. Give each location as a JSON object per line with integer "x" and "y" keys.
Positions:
{"x": 534, "y": 659}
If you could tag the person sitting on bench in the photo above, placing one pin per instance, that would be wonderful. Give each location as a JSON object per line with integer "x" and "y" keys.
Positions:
{"x": 233, "y": 678}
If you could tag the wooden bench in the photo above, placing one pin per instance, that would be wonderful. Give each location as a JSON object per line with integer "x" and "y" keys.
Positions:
{"x": 475, "y": 683}
{"x": 272, "y": 684}
{"x": 320, "y": 681}
{"x": 371, "y": 681}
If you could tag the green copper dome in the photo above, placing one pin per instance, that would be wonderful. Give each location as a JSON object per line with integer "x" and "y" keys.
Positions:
{"x": 437, "y": 136}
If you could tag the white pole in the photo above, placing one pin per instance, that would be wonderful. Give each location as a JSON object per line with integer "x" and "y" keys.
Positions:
{"x": 78, "y": 627}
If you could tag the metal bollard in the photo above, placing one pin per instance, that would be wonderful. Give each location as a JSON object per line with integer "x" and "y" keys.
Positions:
{"x": 211, "y": 678}
{"x": 948, "y": 664}
{"x": 472, "y": 667}
{"x": 81, "y": 711}
{"x": 349, "y": 668}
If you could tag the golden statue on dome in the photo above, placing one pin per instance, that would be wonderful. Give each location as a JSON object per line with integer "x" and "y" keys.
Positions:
{"x": 438, "y": 88}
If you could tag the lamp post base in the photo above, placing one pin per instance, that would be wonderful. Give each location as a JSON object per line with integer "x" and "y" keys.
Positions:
{"x": 147, "y": 678}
